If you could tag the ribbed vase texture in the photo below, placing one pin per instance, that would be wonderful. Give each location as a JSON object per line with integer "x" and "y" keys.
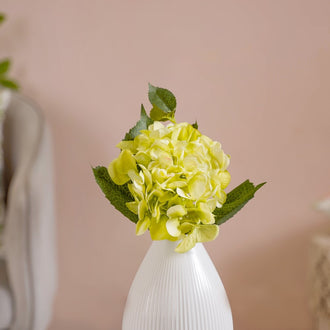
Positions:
{"x": 173, "y": 291}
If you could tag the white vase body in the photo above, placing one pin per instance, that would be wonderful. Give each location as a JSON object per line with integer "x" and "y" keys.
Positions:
{"x": 173, "y": 291}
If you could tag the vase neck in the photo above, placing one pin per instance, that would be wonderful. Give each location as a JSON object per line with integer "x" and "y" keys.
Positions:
{"x": 168, "y": 247}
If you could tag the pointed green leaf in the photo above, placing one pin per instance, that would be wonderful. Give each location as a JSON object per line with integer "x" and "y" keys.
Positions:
{"x": 162, "y": 98}
{"x": 142, "y": 124}
{"x": 117, "y": 195}
{"x": 9, "y": 84}
{"x": 163, "y": 102}
{"x": 236, "y": 200}
{"x": 4, "y": 66}
{"x": 195, "y": 125}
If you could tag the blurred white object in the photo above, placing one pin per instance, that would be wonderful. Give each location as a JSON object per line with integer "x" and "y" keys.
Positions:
{"x": 324, "y": 205}
{"x": 176, "y": 291}
{"x": 5, "y": 96}
{"x": 320, "y": 278}
{"x": 28, "y": 265}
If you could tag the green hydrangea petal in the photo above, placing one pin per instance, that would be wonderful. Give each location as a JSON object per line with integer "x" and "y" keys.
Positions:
{"x": 142, "y": 209}
{"x": 142, "y": 226}
{"x": 206, "y": 233}
{"x": 224, "y": 179}
{"x": 186, "y": 227}
{"x": 197, "y": 186}
{"x": 205, "y": 214}
{"x": 158, "y": 231}
{"x": 187, "y": 243}
{"x": 133, "y": 207}
{"x": 182, "y": 193}
{"x": 117, "y": 176}
{"x": 119, "y": 168}
{"x": 172, "y": 226}
{"x": 142, "y": 158}
{"x": 176, "y": 211}
{"x": 156, "y": 213}
{"x": 134, "y": 176}
{"x": 126, "y": 145}
{"x": 136, "y": 191}
{"x": 190, "y": 163}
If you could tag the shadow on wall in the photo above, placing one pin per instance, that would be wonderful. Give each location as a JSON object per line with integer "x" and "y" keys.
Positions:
{"x": 258, "y": 283}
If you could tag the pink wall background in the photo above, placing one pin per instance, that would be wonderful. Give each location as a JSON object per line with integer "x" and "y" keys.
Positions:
{"x": 255, "y": 74}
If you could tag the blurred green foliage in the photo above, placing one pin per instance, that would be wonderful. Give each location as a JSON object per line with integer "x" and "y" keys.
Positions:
{"x": 5, "y": 65}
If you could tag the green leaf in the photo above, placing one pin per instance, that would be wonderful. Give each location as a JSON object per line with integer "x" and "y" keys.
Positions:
{"x": 163, "y": 102}
{"x": 9, "y": 84}
{"x": 4, "y": 66}
{"x": 117, "y": 195}
{"x": 236, "y": 200}
{"x": 142, "y": 124}
{"x": 2, "y": 17}
{"x": 195, "y": 125}
{"x": 162, "y": 98}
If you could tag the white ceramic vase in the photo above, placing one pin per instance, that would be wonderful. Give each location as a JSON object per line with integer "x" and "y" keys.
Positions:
{"x": 173, "y": 291}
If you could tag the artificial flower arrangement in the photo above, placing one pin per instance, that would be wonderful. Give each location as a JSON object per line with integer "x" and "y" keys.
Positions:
{"x": 171, "y": 179}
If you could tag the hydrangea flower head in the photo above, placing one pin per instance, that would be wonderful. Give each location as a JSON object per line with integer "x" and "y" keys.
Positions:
{"x": 177, "y": 177}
